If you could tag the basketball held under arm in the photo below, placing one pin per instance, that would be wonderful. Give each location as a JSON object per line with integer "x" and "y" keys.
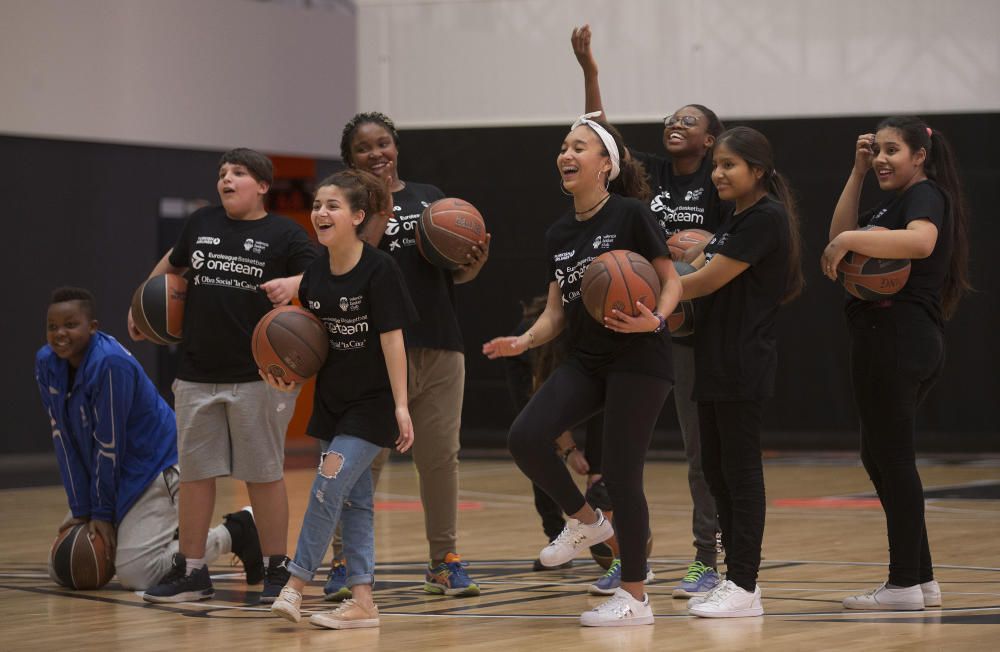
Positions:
{"x": 162, "y": 267}
{"x": 916, "y": 241}
{"x": 710, "y": 278}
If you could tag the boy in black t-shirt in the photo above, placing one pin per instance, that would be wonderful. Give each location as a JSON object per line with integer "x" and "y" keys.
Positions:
{"x": 360, "y": 404}
{"x": 241, "y": 261}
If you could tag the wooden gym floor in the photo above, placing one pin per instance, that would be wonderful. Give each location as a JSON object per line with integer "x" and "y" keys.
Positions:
{"x": 825, "y": 539}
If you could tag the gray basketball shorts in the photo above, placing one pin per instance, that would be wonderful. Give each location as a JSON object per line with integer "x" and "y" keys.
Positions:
{"x": 235, "y": 429}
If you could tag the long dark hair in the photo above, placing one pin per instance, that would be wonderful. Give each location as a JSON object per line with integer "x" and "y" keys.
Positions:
{"x": 754, "y": 148}
{"x": 371, "y": 117}
{"x": 941, "y": 167}
{"x": 362, "y": 190}
{"x": 631, "y": 181}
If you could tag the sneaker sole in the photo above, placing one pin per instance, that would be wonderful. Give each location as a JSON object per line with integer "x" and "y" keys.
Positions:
{"x": 738, "y": 613}
{"x": 593, "y": 589}
{"x": 286, "y": 612}
{"x": 337, "y": 596}
{"x": 437, "y": 589}
{"x": 885, "y": 607}
{"x": 678, "y": 592}
{"x": 932, "y": 603}
{"x": 188, "y": 596}
{"x": 330, "y": 623}
{"x": 625, "y": 622}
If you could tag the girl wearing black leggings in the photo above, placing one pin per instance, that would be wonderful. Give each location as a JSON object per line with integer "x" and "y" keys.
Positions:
{"x": 621, "y": 366}
{"x": 749, "y": 268}
{"x": 897, "y": 344}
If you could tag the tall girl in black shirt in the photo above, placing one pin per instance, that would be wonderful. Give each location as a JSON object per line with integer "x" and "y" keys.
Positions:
{"x": 897, "y": 345}
{"x": 684, "y": 197}
{"x": 751, "y": 267}
{"x": 622, "y": 366}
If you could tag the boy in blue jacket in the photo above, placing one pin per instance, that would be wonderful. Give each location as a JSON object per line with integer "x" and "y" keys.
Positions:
{"x": 116, "y": 443}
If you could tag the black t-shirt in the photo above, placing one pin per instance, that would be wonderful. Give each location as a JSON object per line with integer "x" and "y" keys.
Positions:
{"x": 353, "y": 393}
{"x": 921, "y": 201}
{"x": 228, "y": 261}
{"x": 736, "y": 352}
{"x": 432, "y": 288}
{"x": 682, "y": 201}
{"x": 571, "y": 245}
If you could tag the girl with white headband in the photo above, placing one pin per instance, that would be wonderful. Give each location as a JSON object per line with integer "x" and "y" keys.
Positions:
{"x": 684, "y": 197}
{"x": 622, "y": 367}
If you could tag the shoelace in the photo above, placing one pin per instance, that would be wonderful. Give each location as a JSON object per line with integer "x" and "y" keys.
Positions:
{"x": 614, "y": 569}
{"x": 344, "y": 606}
{"x": 722, "y": 592}
{"x": 695, "y": 571}
{"x": 571, "y": 535}
{"x": 617, "y": 605}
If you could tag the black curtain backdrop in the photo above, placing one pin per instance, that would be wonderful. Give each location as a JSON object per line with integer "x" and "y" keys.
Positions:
{"x": 88, "y": 214}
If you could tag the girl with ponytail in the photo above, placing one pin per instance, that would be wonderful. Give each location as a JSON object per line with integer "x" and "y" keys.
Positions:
{"x": 359, "y": 294}
{"x": 897, "y": 344}
{"x": 621, "y": 367}
{"x": 750, "y": 268}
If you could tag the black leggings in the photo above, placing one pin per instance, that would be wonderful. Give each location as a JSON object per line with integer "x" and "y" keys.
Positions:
{"x": 897, "y": 354}
{"x": 548, "y": 509}
{"x": 730, "y": 458}
{"x": 631, "y": 404}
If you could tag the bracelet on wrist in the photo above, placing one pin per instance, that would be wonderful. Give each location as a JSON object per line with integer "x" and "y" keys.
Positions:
{"x": 662, "y": 324}
{"x": 531, "y": 340}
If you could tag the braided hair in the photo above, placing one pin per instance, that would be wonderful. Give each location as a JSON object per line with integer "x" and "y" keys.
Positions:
{"x": 371, "y": 117}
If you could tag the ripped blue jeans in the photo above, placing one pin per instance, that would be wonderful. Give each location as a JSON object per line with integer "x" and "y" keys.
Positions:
{"x": 343, "y": 494}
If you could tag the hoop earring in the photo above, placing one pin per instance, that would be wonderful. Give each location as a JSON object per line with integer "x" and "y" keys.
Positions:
{"x": 563, "y": 189}
{"x": 607, "y": 182}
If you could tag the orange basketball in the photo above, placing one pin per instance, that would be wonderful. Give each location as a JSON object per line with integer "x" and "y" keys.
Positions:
{"x": 872, "y": 279}
{"x": 615, "y": 281}
{"x": 290, "y": 343}
{"x": 447, "y": 231}
{"x": 78, "y": 562}
{"x": 680, "y": 242}
{"x": 158, "y": 308}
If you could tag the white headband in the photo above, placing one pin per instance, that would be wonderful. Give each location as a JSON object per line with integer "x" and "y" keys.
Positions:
{"x": 606, "y": 138}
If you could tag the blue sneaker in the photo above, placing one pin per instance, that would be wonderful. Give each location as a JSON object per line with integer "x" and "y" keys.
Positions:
{"x": 336, "y": 584}
{"x": 612, "y": 580}
{"x": 450, "y": 578}
{"x": 700, "y": 579}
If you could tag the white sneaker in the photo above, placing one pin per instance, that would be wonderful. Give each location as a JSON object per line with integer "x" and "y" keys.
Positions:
{"x": 620, "y": 610}
{"x": 883, "y": 598}
{"x": 728, "y": 601}
{"x": 698, "y": 599}
{"x": 576, "y": 536}
{"x": 349, "y": 615}
{"x": 287, "y": 604}
{"x": 932, "y": 593}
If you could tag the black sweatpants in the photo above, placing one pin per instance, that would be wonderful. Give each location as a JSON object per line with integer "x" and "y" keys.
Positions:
{"x": 897, "y": 353}
{"x": 631, "y": 404}
{"x": 731, "y": 459}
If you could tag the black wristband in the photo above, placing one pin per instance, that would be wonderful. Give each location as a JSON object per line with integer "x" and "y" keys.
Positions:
{"x": 663, "y": 322}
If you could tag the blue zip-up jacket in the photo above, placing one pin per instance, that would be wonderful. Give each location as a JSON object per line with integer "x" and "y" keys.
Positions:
{"x": 112, "y": 432}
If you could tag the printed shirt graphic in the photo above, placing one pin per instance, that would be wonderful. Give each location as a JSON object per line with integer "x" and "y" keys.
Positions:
{"x": 432, "y": 288}
{"x": 679, "y": 202}
{"x": 112, "y": 432}
{"x": 736, "y": 351}
{"x": 353, "y": 394}
{"x": 571, "y": 246}
{"x": 926, "y": 201}
{"x": 227, "y": 261}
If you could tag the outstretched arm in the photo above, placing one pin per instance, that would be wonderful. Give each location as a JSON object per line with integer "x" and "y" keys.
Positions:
{"x": 549, "y": 324}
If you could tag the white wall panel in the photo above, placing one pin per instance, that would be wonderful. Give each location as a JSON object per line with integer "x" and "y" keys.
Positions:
{"x": 482, "y": 62}
{"x": 199, "y": 73}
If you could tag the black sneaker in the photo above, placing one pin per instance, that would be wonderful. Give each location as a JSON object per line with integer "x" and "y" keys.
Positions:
{"x": 246, "y": 544}
{"x": 178, "y": 586}
{"x": 275, "y": 579}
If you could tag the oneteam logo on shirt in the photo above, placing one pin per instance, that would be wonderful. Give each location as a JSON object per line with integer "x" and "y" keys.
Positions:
{"x": 197, "y": 259}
